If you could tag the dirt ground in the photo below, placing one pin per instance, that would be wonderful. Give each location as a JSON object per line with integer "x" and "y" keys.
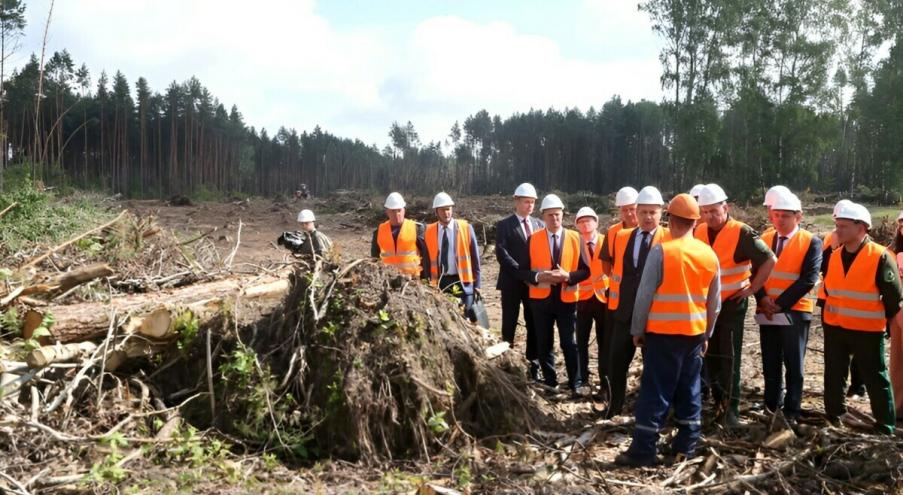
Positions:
{"x": 350, "y": 223}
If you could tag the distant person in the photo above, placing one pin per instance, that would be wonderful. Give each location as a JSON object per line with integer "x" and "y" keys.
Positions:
{"x": 308, "y": 240}
{"x": 399, "y": 242}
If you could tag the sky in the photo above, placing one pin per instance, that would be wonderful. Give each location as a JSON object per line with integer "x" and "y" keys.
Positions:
{"x": 354, "y": 67}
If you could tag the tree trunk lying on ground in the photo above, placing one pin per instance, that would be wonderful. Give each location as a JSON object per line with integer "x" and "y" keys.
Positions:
{"x": 153, "y": 314}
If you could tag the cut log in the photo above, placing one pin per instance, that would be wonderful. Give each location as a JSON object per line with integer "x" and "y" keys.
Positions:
{"x": 152, "y": 314}
{"x": 130, "y": 349}
{"x": 68, "y": 280}
{"x": 58, "y": 353}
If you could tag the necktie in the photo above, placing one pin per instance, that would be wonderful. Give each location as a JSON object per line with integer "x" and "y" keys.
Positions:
{"x": 781, "y": 241}
{"x": 592, "y": 248}
{"x": 443, "y": 253}
{"x": 644, "y": 250}
{"x": 527, "y": 228}
{"x": 556, "y": 252}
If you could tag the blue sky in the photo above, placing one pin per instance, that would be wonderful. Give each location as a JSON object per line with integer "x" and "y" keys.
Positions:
{"x": 353, "y": 67}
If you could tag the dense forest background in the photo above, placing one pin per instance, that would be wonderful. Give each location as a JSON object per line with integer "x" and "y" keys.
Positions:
{"x": 808, "y": 93}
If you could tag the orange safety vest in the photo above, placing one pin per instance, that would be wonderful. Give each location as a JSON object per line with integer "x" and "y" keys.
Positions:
{"x": 854, "y": 301}
{"x": 541, "y": 259}
{"x": 402, "y": 253}
{"x": 734, "y": 276}
{"x": 679, "y": 304}
{"x": 597, "y": 283}
{"x": 826, "y": 245}
{"x": 788, "y": 268}
{"x": 621, "y": 240}
{"x": 465, "y": 266}
{"x": 610, "y": 235}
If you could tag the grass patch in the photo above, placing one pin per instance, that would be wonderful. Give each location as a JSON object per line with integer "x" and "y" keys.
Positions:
{"x": 878, "y": 212}
{"x": 42, "y": 217}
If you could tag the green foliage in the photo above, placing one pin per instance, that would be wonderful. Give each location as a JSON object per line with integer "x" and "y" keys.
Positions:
{"x": 437, "y": 423}
{"x": 186, "y": 326}
{"x": 43, "y": 330}
{"x": 43, "y": 217}
{"x": 10, "y": 321}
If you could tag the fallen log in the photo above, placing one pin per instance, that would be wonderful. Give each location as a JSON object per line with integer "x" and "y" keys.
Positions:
{"x": 154, "y": 315}
{"x": 43, "y": 356}
{"x": 68, "y": 280}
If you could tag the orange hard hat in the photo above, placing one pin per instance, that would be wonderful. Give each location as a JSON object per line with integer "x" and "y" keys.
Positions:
{"x": 684, "y": 206}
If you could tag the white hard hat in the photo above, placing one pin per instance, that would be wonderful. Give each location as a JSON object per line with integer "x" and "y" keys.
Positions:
{"x": 840, "y": 204}
{"x": 525, "y": 190}
{"x": 787, "y": 202}
{"x": 626, "y": 196}
{"x": 441, "y": 200}
{"x": 306, "y": 216}
{"x": 855, "y": 212}
{"x": 711, "y": 194}
{"x": 773, "y": 194}
{"x": 586, "y": 211}
{"x": 649, "y": 196}
{"x": 394, "y": 201}
{"x": 696, "y": 190}
{"x": 551, "y": 201}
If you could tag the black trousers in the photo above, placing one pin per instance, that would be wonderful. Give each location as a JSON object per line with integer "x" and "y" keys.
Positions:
{"x": 620, "y": 347}
{"x": 549, "y": 313}
{"x": 512, "y": 300}
{"x": 451, "y": 284}
{"x": 783, "y": 355}
{"x": 588, "y": 312}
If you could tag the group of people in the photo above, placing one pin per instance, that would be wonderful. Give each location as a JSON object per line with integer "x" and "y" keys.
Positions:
{"x": 681, "y": 294}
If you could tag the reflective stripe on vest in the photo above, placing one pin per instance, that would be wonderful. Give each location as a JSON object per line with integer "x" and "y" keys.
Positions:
{"x": 679, "y": 304}
{"x": 597, "y": 282}
{"x": 462, "y": 253}
{"x": 541, "y": 259}
{"x": 610, "y": 235}
{"x": 734, "y": 276}
{"x": 789, "y": 267}
{"x": 621, "y": 256}
{"x": 826, "y": 246}
{"x": 401, "y": 253}
{"x": 853, "y": 299}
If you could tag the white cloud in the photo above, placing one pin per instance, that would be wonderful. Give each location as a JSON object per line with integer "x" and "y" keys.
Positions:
{"x": 283, "y": 64}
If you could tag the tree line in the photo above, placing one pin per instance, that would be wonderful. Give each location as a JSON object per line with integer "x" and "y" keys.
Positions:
{"x": 807, "y": 93}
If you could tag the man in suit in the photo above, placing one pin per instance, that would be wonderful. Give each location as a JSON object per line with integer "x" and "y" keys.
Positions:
{"x": 554, "y": 269}
{"x": 454, "y": 256}
{"x": 511, "y": 251}
{"x": 630, "y": 248}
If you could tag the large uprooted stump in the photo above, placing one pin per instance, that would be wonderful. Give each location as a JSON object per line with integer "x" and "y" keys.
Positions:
{"x": 384, "y": 367}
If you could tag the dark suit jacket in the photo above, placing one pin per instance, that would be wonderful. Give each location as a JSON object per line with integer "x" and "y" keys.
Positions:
{"x": 528, "y": 275}
{"x": 512, "y": 251}
{"x": 630, "y": 281}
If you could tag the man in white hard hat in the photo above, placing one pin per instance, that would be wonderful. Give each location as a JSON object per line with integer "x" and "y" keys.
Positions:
{"x": 746, "y": 263}
{"x": 695, "y": 190}
{"x": 309, "y": 240}
{"x": 512, "y": 252}
{"x": 454, "y": 256}
{"x": 863, "y": 301}
{"x": 829, "y": 245}
{"x": 399, "y": 241}
{"x": 771, "y": 196}
{"x": 553, "y": 271}
{"x": 593, "y": 300}
{"x": 625, "y": 201}
{"x": 785, "y": 300}
{"x": 630, "y": 249}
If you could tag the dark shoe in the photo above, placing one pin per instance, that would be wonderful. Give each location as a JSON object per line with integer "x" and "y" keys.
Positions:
{"x": 856, "y": 390}
{"x": 533, "y": 373}
{"x": 549, "y": 387}
{"x": 582, "y": 392}
{"x": 731, "y": 420}
{"x": 625, "y": 459}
